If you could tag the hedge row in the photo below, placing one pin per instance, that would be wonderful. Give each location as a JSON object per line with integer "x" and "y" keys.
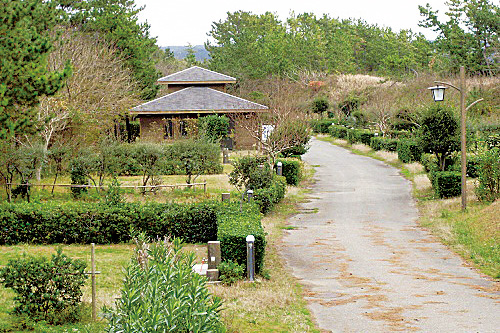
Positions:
{"x": 408, "y": 151}
{"x": 291, "y": 170}
{"x": 49, "y": 223}
{"x": 446, "y": 184}
{"x": 383, "y": 143}
{"x": 321, "y": 125}
{"x": 267, "y": 197}
{"x": 236, "y": 221}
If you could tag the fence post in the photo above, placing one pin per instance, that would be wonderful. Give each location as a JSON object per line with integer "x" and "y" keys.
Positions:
{"x": 94, "y": 308}
{"x": 205, "y": 186}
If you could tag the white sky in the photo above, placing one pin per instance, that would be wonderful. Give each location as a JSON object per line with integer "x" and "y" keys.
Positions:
{"x": 177, "y": 23}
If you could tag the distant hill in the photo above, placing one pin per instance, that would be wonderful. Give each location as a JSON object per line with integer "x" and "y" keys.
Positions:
{"x": 180, "y": 52}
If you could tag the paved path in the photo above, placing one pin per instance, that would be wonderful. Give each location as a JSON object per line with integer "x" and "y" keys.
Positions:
{"x": 367, "y": 266}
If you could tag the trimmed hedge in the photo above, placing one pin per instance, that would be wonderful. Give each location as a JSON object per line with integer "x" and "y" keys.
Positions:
{"x": 267, "y": 197}
{"x": 446, "y": 183}
{"x": 291, "y": 171}
{"x": 338, "y": 131}
{"x": 321, "y": 125}
{"x": 383, "y": 143}
{"x": 235, "y": 222}
{"x": 408, "y": 151}
{"x": 49, "y": 223}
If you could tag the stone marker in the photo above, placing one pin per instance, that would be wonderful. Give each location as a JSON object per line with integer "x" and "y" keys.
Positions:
{"x": 213, "y": 274}
{"x": 213, "y": 254}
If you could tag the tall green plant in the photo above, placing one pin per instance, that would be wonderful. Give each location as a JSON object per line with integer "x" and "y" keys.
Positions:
{"x": 161, "y": 293}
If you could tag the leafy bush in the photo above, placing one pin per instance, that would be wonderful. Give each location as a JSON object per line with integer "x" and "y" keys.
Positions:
{"x": 429, "y": 162}
{"x": 408, "y": 151}
{"x": 230, "y": 272}
{"x": 235, "y": 222}
{"x": 320, "y": 104}
{"x": 195, "y": 157}
{"x": 473, "y": 165}
{"x": 321, "y": 125}
{"x": 439, "y": 133}
{"x": 47, "y": 290}
{"x": 383, "y": 143}
{"x": 213, "y": 128}
{"x": 49, "y": 223}
{"x": 78, "y": 176}
{"x": 267, "y": 197}
{"x": 489, "y": 175}
{"x": 162, "y": 293}
{"x": 338, "y": 131}
{"x": 291, "y": 171}
{"x": 446, "y": 183}
{"x": 251, "y": 172}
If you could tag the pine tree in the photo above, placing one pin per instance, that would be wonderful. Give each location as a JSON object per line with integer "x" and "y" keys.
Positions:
{"x": 24, "y": 46}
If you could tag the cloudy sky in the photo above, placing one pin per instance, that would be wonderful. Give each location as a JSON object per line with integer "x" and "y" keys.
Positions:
{"x": 177, "y": 23}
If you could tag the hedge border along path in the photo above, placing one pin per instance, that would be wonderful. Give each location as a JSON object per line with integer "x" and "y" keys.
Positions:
{"x": 77, "y": 222}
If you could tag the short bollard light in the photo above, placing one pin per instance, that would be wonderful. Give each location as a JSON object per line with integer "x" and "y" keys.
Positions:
{"x": 279, "y": 169}
{"x": 250, "y": 258}
{"x": 225, "y": 156}
{"x": 249, "y": 195}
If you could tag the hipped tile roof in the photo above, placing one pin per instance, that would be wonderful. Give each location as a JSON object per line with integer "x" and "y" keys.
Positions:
{"x": 197, "y": 100}
{"x": 196, "y": 74}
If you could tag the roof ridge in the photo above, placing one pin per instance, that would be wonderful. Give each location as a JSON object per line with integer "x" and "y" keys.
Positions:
{"x": 227, "y": 77}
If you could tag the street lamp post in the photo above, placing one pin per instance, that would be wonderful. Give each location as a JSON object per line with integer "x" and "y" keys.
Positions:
{"x": 438, "y": 94}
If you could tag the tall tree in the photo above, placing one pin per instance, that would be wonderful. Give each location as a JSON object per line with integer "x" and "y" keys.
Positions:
{"x": 118, "y": 21}
{"x": 470, "y": 36}
{"x": 24, "y": 46}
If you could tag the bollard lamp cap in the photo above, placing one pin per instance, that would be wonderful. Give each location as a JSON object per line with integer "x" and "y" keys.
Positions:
{"x": 279, "y": 164}
{"x": 250, "y": 191}
{"x": 250, "y": 238}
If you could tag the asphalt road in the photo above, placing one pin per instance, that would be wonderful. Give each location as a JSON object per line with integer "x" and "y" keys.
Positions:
{"x": 365, "y": 264}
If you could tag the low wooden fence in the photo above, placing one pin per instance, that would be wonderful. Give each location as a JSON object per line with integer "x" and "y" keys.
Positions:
{"x": 172, "y": 186}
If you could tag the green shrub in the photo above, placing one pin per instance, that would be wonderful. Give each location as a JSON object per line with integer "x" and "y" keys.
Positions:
{"x": 213, "y": 128}
{"x": 446, "y": 183}
{"x": 352, "y": 135}
{"x": 50, "y": 223}
{"x": 365, "y": 136}
{"x": 230, "y": 272}
{"x": 320, "y": 104}
{"x": 429, "y": 162}
{"x": 235, "y": 222}
{"x": 473, "y": 165}
{"x": 251, "y": 172}
{"x": 78, "y": 176}
{"x": 195, "y": 157}
{"x": 161, "y": 293}
{"x": 489, "y": 175}
{"x": 291, "y": 171}
{"x": 439, "y": 133}
{"x": 408, "y": 151}
{"x": 267, "y": 197}
{"x": 338, "y": 131}
{"x": 321, "y": 125}
{"x": 383, "y": 143}
{"x": 48, "y": 290}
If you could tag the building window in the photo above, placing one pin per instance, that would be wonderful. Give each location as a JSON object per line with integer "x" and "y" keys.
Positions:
{"x": 183, "y": 128}
{"x": 169, "y": 129}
